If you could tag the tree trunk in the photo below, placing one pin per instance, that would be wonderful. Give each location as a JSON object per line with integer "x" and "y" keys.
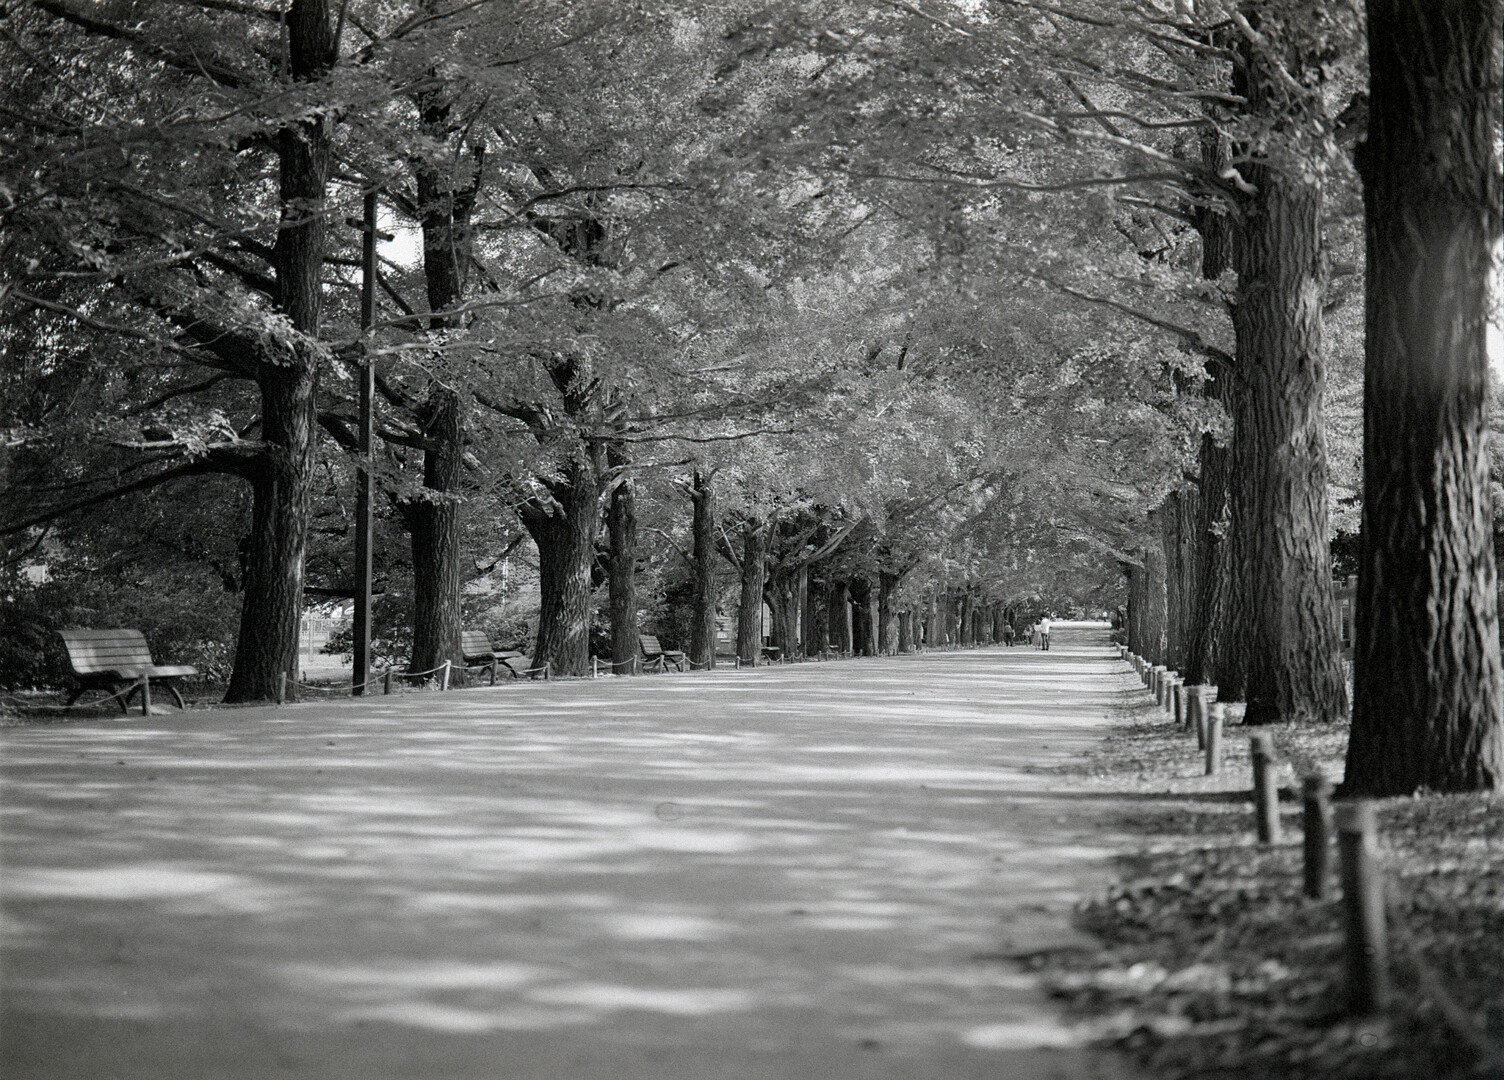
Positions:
{"x": 840, "y": 617}
{"x": 565, "y": 530}
{"x": 905, "y": 631}
{"x": 862, "y": 643}
{"x": 434, "y": 527}
{"x": 621, "y": 565}
{"x": 888, "y": 634}
{"x": 1282, "y": 651}
{"x": 781, "y": 596}
{"x": 271, "y": 614}
{"x": 1178, "y": 537}
{"x": 967, "y": 623}
{"x": 702, "y": 618}
{"x": 1427, "y": 683}
{"x": 817, "y": 618}
{"x": 749, "y": 613}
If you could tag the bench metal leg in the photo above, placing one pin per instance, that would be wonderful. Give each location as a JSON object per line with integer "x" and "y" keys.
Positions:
{"x": 125, "y": 700}
{"x": 173, "y": 687}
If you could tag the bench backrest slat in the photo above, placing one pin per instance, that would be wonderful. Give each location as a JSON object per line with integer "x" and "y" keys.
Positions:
{"x": 474, "y": 645}
{"x": 650, "y": 646}
{"x": 91, "y": 651}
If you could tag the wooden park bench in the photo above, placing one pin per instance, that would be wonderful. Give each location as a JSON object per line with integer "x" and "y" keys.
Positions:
{"x": 112, "y": 660}
{"x": 476, "y": 651}
{"x": 656, "y": 658}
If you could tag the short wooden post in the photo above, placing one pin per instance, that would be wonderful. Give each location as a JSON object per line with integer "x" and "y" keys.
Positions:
{"x": 595, "y": 667}
{"x": 1170, "y": 685}
{"x": 1316, "y": 796}
{"x": 1362, "y": 908}
{"x": 1265, "y": 794}
{"x": 1179, "y": 712}
{"x": 1195, "y": 708}
{"x": 494, "y": 664}
{"x": 386, "y": 681}
{"x": 1214, "y": 716}
{"x": 548, "y": 670}
{"x": 145, "y": 694}
{"x": 738, "y": 660}
{"x": 281, "y": 687}
{"x": 444, "y": 675}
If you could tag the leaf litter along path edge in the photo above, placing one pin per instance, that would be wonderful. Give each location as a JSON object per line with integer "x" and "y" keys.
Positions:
{"x": 813, "y": 870}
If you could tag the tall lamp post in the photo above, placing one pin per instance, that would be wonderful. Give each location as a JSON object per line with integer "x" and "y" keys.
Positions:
{"x": 361, "y": 676}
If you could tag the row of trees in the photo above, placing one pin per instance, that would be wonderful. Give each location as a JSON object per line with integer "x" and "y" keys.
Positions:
{"x": 981, "y": 301}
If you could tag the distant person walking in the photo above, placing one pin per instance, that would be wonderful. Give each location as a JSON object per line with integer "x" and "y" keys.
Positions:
{"x": 1044, "y": 633}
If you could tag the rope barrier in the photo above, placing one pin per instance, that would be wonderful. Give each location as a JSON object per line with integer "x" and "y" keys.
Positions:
{"x": 30, "y": 705}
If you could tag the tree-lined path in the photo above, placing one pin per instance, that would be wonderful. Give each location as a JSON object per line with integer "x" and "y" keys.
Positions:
{"x": 792, "y": 872}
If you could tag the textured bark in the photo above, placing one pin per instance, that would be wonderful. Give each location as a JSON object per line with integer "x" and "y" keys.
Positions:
{"x": 967, "y": 628}
{"x": 887, "y": 628}
{"x": 862, "y": 643}
{"x": 1178, "y": 538}
{"x": 621, "y": 568}
{"x": 905, "y": 631}
{"x": 434, "y": 527}
{"x": 565, "y": 528}
{"x": 749, "y": 611}
{"x": 817, "y": 617}
{"x": 781, "y": 594}
{"x": 1427, "y": 683}
{"x": 281, "y": 486}
{"x": 702, "y": 618}
{"x": 840, "y": 617}
{"x": 1282, "y": 649}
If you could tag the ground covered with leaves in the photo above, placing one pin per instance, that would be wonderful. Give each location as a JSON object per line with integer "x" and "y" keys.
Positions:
{"x": 1213, "y": 963}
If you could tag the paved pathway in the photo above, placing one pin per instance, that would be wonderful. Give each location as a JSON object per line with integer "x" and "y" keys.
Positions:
{"x": 807, "y": 872}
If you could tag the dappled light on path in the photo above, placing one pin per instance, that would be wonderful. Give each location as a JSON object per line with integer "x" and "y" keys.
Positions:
{"x": 818, "y": 858}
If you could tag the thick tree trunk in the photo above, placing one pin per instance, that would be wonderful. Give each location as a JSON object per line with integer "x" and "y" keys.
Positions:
{"x": 434, "y": 526}
{"x": 565, "y": 530}
{"x": 817, "y": 618}
{"x": 749, "y": 612}
{"x": 861, "y": 622}
{"x": 782, "y": 598}
{"x": 281, "y": 498}
{"x": 840, "y": 617}
{"x": 702, "y": 617}
{"x": 1427, "y": 684}
{"x": 967, "y": 623}
{"x": 1178, "y": 537}
{"x": 905, "y": 631}
{"x": 270, "y": 616}
{"x": 621, "y": 565}
{"x": 1282, "y": 651}
{"x": 887, "y": 631}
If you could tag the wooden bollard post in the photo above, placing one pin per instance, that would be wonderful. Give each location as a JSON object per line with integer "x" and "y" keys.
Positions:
{"x": 1316, "y": 797}
{"x": 444, "y": 675}
{"x": 145, "y": 694}
{"x": 1195, "y": 707}
{"x": 1171, "y": 682}
{"x": 1157, "y": 686}
{"x": 386, "y": 681}
{"x": 1179, "y": 711}
{"x": 281, "y": 687}
{"x": 1214, "y": 715}
{"x": 595, "y": 667}
{"x": 1265, "y": 794}
{"x": 1362, "y": 908}
{"x": 548, "y": 670}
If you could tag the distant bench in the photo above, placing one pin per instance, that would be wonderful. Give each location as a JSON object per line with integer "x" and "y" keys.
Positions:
{"x": 656, "y": 657}
{"x": 112, "y": 660}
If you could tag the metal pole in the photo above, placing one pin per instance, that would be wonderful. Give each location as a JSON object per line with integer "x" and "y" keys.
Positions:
{"x": 362, "y": 645}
